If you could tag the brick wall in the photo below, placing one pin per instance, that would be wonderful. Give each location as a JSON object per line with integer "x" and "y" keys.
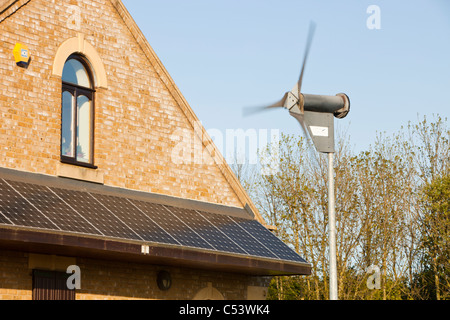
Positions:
{"x": 115, "y": 280}
{"x": 135, "y": 117}
{"x": 15, "y": 278}
{"x": 111, "y": 280}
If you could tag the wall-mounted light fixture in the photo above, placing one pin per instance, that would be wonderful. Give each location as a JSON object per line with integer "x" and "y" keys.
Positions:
{"x": 22, "y": 55}
{"x": 164, "y": 280}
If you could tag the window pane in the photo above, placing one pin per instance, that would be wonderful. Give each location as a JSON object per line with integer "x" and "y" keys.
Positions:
{"x": 84, "y": 129}
{"x": 74, "y": 72}
{"x": 67, "y": 137}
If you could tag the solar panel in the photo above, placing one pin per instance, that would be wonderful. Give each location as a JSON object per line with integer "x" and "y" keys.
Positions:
{"x": 30, "y": 205}
{"x": 54, "y": 208}
{"x": 4, "y": 196}
{"x": 207, "y": 230}
{"x": 245, "y": 240}
{"x": 18, "y": 211}
{"x": 172, "y": 225}
{"x": 268, "y": 239}
{"x": 96, "y": 214}
{"x": 3, "y": 219}
{"x": 136, "y": 219}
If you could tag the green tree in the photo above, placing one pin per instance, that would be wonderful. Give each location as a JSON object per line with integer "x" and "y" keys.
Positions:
{"x": 436, "y": 237}
{"x": 391, "y": 211}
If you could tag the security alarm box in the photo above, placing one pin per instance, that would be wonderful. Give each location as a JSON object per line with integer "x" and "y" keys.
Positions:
{"x": 21, "y": 55}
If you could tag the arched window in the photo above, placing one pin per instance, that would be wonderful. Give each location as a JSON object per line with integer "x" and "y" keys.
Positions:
{"x": 77, "y": 130}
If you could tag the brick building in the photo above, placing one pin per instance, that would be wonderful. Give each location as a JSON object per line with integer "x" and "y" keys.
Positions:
{"x": 89, "y": 177}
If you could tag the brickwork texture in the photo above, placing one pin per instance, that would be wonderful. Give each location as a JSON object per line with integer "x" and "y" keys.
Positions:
{"x": 136, "y": 118}
{"x": 118, "y": 280}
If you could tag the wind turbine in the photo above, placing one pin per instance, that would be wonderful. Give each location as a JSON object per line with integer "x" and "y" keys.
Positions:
{"x": 316, "y": 114}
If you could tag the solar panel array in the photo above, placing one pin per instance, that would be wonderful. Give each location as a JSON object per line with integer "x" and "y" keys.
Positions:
{"x": 49, "y": 208}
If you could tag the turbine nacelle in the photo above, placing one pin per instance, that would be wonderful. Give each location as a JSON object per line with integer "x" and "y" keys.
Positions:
{"x": 338, "y": 105}
{"x": 315, "y": 113}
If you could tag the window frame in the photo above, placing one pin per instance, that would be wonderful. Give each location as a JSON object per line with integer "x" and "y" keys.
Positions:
{"x": 76, "y": 91}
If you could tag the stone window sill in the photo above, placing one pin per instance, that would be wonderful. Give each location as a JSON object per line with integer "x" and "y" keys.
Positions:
{"x": 79, "y": 173}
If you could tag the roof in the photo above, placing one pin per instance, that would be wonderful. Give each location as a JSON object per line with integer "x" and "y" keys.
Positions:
{"x": 58, "y": 215}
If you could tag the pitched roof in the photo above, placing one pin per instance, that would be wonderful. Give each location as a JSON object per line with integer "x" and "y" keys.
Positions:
{"x": 37, "y": 210}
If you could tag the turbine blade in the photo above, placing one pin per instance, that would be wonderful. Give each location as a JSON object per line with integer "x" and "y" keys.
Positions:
{"x": 252, "y": 110}
{"x": 312, "y": 28}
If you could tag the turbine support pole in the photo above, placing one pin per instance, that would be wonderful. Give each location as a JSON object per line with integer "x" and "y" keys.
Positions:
{"x": 332, "y": 229}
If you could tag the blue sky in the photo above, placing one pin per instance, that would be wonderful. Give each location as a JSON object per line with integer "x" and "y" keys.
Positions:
{"x": 227, "y": 55}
